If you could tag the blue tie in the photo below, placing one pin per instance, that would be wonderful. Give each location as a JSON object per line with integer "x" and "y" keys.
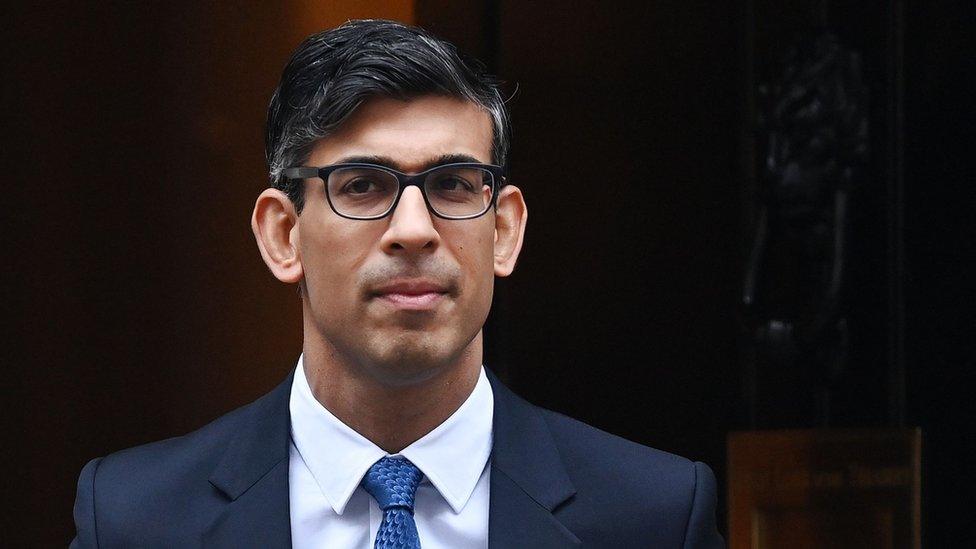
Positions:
{"x": 393, "y": 484}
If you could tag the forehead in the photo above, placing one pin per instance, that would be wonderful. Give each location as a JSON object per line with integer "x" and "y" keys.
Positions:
{"x": 411, "y": 133}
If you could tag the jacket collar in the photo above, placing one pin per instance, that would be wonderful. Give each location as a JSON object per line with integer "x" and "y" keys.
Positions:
{"x": 253, "y": 475}
{"x": 528, "y": 478}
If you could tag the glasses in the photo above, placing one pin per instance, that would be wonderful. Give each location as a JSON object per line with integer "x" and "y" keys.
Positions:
{"x": 368, "y": 191}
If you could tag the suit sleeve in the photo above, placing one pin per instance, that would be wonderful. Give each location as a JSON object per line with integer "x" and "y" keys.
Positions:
{"x": 702, "y": 530}
{"x": 85, "y": 532}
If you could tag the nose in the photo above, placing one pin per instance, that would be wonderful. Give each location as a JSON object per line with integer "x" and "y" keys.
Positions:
{"x": 411, "y": 227}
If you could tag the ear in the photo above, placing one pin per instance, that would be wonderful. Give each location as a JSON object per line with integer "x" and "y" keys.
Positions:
{"x": 275, "y": 226}
{"x": 510, "y": 217}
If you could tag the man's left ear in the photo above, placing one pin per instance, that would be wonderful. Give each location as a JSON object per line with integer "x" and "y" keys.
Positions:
{"x": 510, "y": 217}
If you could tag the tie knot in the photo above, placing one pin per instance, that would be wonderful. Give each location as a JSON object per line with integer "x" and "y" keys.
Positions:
{"x": 393, "y": 482}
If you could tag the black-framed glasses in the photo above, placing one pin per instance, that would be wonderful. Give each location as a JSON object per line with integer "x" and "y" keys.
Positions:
{"x": 368, "y": 191}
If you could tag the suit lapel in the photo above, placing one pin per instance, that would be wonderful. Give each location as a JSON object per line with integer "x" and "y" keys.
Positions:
{"x": 253, "y": 476}
{"x": 528, "y": 478}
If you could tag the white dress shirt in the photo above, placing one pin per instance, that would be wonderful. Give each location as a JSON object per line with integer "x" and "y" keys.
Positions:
{"x": 327, "y": 461}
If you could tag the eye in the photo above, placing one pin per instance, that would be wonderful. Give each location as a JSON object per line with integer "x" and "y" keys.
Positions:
{"x": 454, "y": 183}
{"x": 362, "y": 185}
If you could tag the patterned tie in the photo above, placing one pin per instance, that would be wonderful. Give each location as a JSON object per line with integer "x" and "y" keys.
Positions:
{"x": 393, "y": 484}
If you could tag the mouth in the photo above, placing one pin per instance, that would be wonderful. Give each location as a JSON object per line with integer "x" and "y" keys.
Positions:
{"x": 414, "y": 295}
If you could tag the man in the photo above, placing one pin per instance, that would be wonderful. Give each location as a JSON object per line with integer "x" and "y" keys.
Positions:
{"x": 390, "y": 211}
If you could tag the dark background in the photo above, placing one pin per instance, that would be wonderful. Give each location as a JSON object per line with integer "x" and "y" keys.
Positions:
{"x": 138, "y": 307}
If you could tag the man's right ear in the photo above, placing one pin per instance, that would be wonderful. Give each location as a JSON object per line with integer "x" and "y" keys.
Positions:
{"x": 275, "y": 226}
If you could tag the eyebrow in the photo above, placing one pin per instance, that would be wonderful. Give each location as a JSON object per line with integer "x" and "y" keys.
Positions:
{"x": 388, "y": 162}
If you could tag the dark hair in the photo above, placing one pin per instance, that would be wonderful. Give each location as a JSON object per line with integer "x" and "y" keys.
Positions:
{"x": 335, "y": 71}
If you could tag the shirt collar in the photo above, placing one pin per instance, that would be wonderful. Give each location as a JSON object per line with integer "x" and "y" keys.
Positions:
{"x": 452, "y": 456}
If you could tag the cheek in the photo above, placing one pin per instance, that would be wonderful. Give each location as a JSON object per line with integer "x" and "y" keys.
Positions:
{"x": 332, "y": 257}
{"x": 476, "y": 257}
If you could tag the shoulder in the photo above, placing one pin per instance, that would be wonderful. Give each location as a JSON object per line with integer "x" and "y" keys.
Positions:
{"x": 590, "y": 450}
{"x": 172, "y": 459}
{"x": 638, "y": 489}
{"x": 159, "y": 484}
{"x": 167, "y": 473}
{"x": 196, "y": 453}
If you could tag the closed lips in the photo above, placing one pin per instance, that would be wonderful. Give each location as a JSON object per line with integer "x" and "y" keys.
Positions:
{"x": 419, "y": 287}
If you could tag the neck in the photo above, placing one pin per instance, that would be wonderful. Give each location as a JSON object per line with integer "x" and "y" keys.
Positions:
{"x": 392, "y": 416}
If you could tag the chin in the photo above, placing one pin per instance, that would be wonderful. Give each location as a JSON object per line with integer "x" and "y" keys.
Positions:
{"x": 410, "y": 362}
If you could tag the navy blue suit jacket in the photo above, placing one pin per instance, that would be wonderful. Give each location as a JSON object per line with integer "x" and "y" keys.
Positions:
{"x": 555, "y": 482}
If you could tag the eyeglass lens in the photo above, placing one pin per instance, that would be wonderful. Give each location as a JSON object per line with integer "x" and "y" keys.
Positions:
{"x": 370, "y": 192}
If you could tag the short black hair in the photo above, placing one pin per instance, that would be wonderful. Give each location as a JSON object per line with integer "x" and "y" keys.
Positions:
{"x": 333, "y": 72}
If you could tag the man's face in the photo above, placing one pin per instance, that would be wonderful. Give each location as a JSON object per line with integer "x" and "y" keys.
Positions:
{"x": 403, "y": 296}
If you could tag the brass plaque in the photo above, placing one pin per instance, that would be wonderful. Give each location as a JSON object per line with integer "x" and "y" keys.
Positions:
{"x": 825, "y": 488}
